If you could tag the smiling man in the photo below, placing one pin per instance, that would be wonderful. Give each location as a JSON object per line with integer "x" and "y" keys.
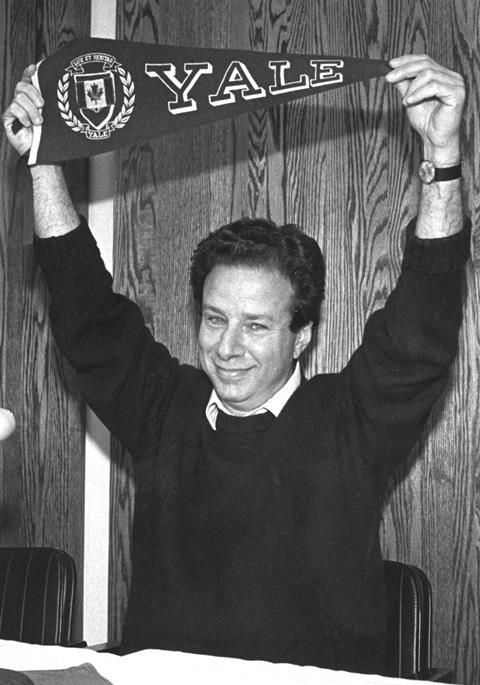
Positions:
{"x": 258, "y": 289}
{"x": 259, "y": 492}
{"x": 246, "y": 346}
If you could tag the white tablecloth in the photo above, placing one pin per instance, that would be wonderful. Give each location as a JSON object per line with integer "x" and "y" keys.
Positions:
{"x": 177, "y": 668}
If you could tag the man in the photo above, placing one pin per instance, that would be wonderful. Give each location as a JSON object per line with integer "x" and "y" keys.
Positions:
{"x": 259, "y": 493}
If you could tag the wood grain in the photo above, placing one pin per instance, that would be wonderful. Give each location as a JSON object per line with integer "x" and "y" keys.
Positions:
{"x": 342, "y": 165}
{"x": 42, "y": 464}
{"x": 193, "y": 170}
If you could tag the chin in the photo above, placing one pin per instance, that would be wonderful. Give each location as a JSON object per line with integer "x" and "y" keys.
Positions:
{"x": 232, "y": 396}
{"x": 229, "y": 395}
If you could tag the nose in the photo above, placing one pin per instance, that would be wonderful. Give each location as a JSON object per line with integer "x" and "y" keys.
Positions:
{"x": 230, "y": 343}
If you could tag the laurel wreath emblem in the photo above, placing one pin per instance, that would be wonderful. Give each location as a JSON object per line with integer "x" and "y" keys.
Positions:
{"x": 128, "y": 99}
{"x": 120, "y": 120}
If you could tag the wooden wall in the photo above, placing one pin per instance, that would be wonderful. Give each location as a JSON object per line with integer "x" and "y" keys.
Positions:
{"x": 41, "y": 465}
{"x": 343, "y": 166}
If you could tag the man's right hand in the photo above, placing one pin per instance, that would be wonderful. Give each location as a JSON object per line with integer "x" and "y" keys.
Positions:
{"x": 54, "y": 212}
{"x": 26, "y": 106}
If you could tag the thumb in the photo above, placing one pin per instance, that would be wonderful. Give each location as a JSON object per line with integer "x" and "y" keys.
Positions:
{"x": 28, "y": 72}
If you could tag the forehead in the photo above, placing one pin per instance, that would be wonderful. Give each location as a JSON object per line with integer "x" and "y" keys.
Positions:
{"x": 255, "y": 290}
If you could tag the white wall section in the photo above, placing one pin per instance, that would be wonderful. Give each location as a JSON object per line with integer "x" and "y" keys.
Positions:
{"x": 97, "y": 439}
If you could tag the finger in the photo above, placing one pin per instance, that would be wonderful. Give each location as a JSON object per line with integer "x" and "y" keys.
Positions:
{"x": 28, "y": 72}
{"x": 30, "y": 91}
{"x": 402, "y": 60}
{"x": 413, "y": 61}
{"x": 414, "y": 68}
{"x": 433, "y": 88}
{"x": 13, "y": 113}
{"x": 27, "y": 104}
{"x": 402, "y": 87}
{"x": 16, "y": 111}
{"x": 413, "y": 77}
{"x": 445, "y": 84}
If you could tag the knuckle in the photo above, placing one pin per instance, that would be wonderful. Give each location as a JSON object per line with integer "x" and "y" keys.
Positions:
{"x": 19, "y": 99}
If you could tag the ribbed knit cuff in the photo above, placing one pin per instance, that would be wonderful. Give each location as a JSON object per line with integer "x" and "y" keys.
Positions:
{"x": 437, "y": 255}
{"x": 70, "y": 248}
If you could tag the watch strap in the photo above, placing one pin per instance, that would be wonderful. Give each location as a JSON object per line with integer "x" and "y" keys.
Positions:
{"x": 429, "y": 173}
{"x": 449, "y": 173}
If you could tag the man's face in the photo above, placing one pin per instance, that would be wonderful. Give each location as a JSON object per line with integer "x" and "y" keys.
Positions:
{"x": 246, "y": 345}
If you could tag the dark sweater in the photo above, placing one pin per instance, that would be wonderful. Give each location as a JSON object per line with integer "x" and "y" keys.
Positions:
{"x": 260, "y": 539}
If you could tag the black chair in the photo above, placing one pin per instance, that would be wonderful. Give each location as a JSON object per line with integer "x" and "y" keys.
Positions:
{"x": 37, "y": 594}
{"x": 409, "y": 624}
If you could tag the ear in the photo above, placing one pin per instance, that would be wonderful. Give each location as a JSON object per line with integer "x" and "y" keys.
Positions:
{"x": 302, "y": 340}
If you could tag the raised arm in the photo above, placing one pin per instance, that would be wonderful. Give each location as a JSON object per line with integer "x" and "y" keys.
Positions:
{"x": 122, "y": 373}
{"x": 402, "y": 365}
{"x": 433, "y": 97}
{"x": 54, "y": 212}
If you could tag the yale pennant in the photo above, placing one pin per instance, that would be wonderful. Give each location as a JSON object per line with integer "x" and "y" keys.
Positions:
{"x": 104, "y": 94}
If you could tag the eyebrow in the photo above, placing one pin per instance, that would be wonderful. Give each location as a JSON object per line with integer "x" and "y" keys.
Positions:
{"x": 247, "y": 316}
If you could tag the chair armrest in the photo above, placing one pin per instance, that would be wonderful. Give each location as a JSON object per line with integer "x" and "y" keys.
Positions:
{"x": 110, "y": 647}
{"x": 80, "y": 643}
{"x": 438, "y": 675}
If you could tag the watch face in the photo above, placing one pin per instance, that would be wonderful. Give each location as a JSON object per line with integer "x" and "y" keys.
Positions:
{"x": 426, "y": 171}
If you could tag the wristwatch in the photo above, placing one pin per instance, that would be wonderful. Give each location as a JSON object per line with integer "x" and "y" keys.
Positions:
{"x": 429, "y": 173}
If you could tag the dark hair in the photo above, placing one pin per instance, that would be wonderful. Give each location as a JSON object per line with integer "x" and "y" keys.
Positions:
{"x": 259, "y": 242}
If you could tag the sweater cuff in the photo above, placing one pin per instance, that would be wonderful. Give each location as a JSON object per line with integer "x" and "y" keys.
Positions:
{"x": 67, "y": 249}
{"x": 437, "y": 255}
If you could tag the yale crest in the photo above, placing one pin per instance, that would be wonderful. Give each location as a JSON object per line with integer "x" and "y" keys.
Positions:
{"x": 95, "y": 95}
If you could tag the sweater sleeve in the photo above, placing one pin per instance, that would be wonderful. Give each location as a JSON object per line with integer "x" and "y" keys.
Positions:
{"x": 402, "y": 365}
{"x": 122, "y": 373}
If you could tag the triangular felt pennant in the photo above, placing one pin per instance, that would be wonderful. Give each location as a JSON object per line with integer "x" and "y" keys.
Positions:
{"x": 103, "y": 94}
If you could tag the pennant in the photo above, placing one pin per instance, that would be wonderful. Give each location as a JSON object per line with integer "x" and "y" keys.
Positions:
{"x": 104, "y": 94}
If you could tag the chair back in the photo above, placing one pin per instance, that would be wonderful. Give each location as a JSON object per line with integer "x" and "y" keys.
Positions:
{"x": 37, "y": 593}
{"x": 409, "y": 617}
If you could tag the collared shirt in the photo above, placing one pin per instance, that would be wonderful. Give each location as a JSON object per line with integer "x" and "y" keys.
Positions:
{"x": 274, "y": 405}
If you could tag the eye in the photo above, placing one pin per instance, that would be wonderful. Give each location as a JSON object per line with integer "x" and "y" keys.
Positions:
{"x": 214, "y": 320}
{"x": 257, "y": 327}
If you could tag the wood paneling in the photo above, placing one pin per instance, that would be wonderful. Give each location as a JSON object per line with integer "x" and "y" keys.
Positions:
{"x": 197, "y": 172}
{"x": 342, "y": 165}
{"x": 42, "y": 463}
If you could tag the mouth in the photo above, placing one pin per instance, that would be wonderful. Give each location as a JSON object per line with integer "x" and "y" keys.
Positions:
{"x": 230, "y": 374}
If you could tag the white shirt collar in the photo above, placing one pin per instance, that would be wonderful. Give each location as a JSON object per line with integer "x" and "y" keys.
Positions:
{"x": 274, "y": 405}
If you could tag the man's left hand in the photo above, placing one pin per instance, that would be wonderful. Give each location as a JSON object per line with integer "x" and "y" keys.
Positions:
{"x": 433, "y": 96}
